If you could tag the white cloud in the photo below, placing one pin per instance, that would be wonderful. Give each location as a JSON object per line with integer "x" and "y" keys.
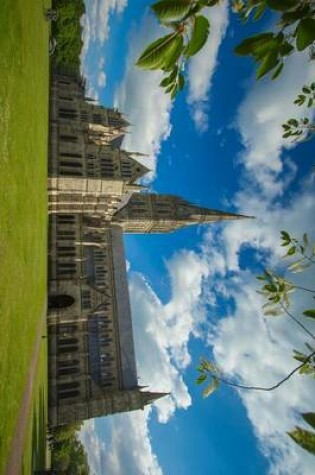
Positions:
{"x": 97, "y": 17}
{"x": 164, "y": 330}
{"x": 260, "y": 117}
{"x": 101, "y": 79}
{"x": 254, "y": 350}
{"x": 202, "y": 66}
{"x": 145, "y": 104}
{"x": 127, "y": 444}
{"x": 96, "y": 28}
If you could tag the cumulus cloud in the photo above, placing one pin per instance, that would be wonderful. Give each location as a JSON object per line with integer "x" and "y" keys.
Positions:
{"x": 96, "y": 19}
{"x": 164, "y": 330}
{"x": 202, "y": 66}
{"x": 96, "y": 27}
{"x": 259, "y": 122}
{"x": 145, "y": 104}
{"x": 101, "y": 79}
{"x": 127, "y": 444}
{"x": 247, "y": 346}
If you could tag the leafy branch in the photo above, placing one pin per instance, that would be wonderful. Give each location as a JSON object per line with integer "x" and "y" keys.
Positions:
{"x": 301, "y": 128}
{"x": 190, "y": 31}
{"x": 210, "y": 371}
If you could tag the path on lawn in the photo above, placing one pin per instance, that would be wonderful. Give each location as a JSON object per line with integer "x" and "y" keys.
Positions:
{"x": 17, "y": 445}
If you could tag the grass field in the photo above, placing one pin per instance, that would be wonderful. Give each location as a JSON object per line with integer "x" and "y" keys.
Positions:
{"x": 24, "y": 66}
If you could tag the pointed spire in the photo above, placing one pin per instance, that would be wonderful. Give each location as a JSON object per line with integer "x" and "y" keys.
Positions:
{"x": 205, "y": 215}
{"x": 150, "y": 397}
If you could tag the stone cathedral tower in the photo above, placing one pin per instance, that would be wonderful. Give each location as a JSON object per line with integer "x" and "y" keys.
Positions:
{"x": 93, "y": 200}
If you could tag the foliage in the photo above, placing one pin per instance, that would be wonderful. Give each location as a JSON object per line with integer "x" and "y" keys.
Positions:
{"x": 68, "y": 454}
{"x": 295, "y": 33}
{"x": 190, "y": 31}
{"x": 67, "y": 31}
{"x": 302, "y": 127}
{"x": 277, "y": 289}
{"x": 189, "y": 34}
{"x": 303, "y": 437}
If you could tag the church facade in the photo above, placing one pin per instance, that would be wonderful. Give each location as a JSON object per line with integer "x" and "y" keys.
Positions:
{"x": 93, "y": 198}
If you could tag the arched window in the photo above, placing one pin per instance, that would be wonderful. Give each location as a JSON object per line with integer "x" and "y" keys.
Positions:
{"x": 68, "y": 394}
{"x": 68, "y": 349}
{"x": 67, "y": 341}
{"x": 67, "y": 386}
{"x": 68, "y": 371}
{"x": 60, "y": 301}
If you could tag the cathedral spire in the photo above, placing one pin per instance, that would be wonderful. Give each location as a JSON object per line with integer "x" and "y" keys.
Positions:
{"x": 151, "y": 397}
{"x": 153, "y": 213}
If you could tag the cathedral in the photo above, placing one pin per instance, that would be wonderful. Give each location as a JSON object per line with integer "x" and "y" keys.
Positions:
{"x": 93, "y": 198}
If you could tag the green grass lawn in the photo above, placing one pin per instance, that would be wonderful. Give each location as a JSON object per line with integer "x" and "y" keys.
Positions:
{"x": 24, "y": 79}
{"x": 35, "y": 453}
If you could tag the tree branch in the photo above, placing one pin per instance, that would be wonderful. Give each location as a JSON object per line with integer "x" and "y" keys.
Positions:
{"x": 261, "y": 388}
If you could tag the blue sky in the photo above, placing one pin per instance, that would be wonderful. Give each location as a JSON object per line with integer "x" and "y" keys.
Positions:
{"x": 193, "y": 293}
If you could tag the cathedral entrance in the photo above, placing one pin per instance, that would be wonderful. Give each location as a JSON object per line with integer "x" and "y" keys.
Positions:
{"x": 60, "y": 301}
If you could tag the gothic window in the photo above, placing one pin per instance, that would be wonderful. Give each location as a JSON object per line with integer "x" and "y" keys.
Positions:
{"x": 60, "y": 301}
{"x": 66, "y": 251}
{"x": 70, "y": 164}
{"x": 69, "y": 138}
{"x": 64, "y": 268}
{"x": 68, "y": 394}
{"x": 71, "y": 154}
{"x": 68, "y": 371}
{"x": 67, "y": 341}
{"x": 67, "y": 113}
{"x": 65, "y": 218}
{"x": 67, "y": 363}
{"x": 66, "y": 234}
{"x": 86, "y": 299}
{"x": 68, "y": 349}
{"x": 65, "y": 98}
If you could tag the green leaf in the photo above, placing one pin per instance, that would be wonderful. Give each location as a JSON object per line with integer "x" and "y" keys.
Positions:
{"x": 270, "y": 288}
{"x": 281, "y": 5}
{"x": 309, "y": 313}
{"x": 291, "y": 251}
{"x": 268, "y": 63}
{"x": 199, "y": 35}
{"x": 309, "y": 417}
{"x": 285, "y": 236}
{"x": 174, "y": 53}
{"x": 286, "y": 48}
{"x": 211, "y": 387}
{"x": 293, "y": 122}
{"x": 305, "y": 33}
{"x": 166, "y": 82}
{"x": 248, "y": 45}
{"x": 259, "y": 11}
{"x": 306, "y": 90}
{"x": 201, "y": 379}
{"x": 277, "y": 71}
{"x": 167, "y": 10}
{"x": 155, "y": 55}
{"x": 304, "y": 439}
